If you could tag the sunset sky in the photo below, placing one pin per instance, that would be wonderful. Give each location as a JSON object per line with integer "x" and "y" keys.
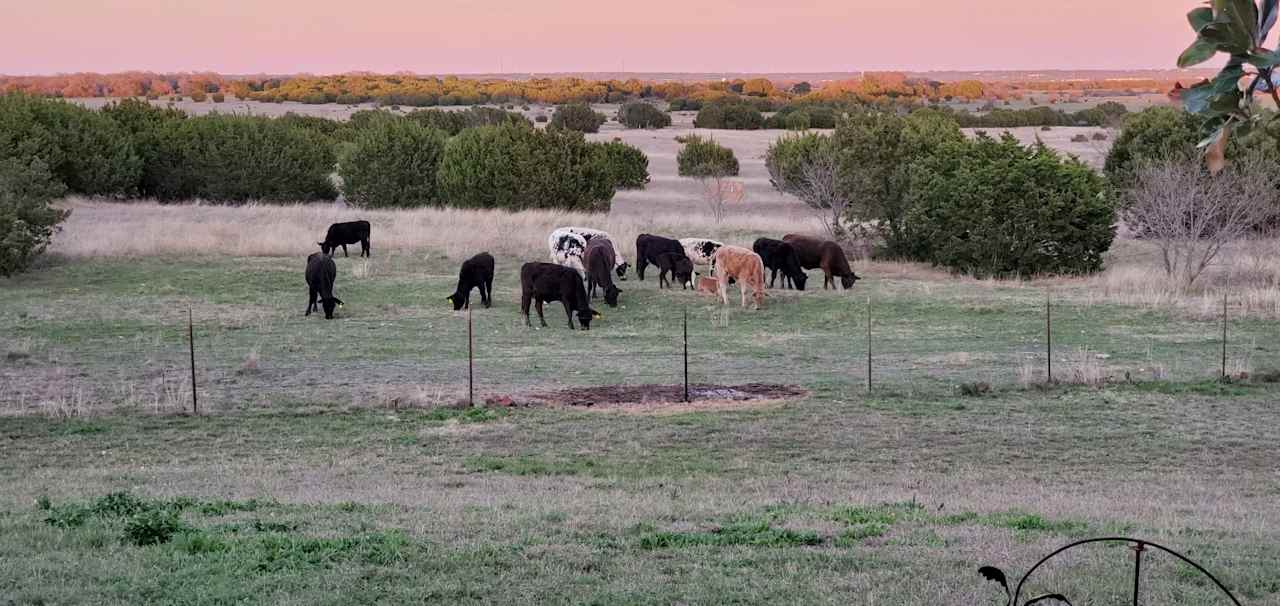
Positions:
{"x": 469, "y": 36}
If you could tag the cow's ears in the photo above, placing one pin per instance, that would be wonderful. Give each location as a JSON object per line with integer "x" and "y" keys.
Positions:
{"x": 597, "y": 315}
{"x": 449, "y": 298}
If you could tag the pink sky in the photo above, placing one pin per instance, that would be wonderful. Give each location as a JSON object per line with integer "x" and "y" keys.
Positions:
{"x": 469, "y": 36}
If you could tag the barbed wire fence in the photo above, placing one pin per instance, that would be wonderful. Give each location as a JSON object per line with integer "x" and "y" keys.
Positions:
{"x": 182, "y": 362}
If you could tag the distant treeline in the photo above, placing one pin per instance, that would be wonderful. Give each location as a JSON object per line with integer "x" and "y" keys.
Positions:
{"x": 132, "y": 149}
{"x": 421, "y": 91}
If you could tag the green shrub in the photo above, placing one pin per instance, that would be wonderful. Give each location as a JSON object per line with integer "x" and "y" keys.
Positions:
{"x": 579, "y": 117}
{"x": 729, "y": 115}
{"x": 447, "y": 121}
{"x": 684, "y": 105}
{"x": 153, "y": 526}
{"x": 492, "y": 116}
{"x": 1154, "y": 134}
{"x": 517, "y": 167}
{"x": 316, "y": 124}
{"x": 367, "y": 118}
{"x": 199, "y": 96}
{"x": 85, "y": 150}
{"x": 349, "y": 99}
{"x": 705, "y": 158}
{"x": 797, "y": 121}
{"x": 27, "y": 222}
{"x": 393, "y": 164}
{"x": 995, "y": 208}
{"x": 239, "y": 158}
{"x": 218, "y": 97}
{"x": 626, "y": 165}
{"x": 639, "y": 114}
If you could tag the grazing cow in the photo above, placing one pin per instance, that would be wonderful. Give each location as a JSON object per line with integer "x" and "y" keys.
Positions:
{"x": 735, "y": 262}
{"x": 620, "y": 265}
{"x": 547, "y": 282}
{"x": 649, "y": 247}
{"x": 321, "y": 272}
{"x": 342, "y": 234}
{"x": 599, "y": 261}
{"x": 680, "y": 267}
{"x": 567, "y": 249}
{"x": 779, "y": 256}
{"x": 828, "y": 255}
{"x": 477, "y": 272}
{"x": 701, "y": 251}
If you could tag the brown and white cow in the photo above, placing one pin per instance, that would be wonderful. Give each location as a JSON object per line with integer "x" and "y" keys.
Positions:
{"x": 744, "y": 266}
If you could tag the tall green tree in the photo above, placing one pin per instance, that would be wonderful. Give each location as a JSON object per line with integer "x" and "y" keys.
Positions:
{"x": 27, "y": 222}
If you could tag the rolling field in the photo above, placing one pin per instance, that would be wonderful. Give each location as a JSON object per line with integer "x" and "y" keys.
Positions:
{"x": 329, "y": 465}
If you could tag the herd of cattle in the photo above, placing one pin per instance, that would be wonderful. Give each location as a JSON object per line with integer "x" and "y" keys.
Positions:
{"x": 581, "y": 254}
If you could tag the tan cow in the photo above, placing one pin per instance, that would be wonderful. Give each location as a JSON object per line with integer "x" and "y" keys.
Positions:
{"x": 708, "y": 285}
{"x": 744, "y": 266}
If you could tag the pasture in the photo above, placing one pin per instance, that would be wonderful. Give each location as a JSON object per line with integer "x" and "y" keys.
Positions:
{"x": 331, "y": 464}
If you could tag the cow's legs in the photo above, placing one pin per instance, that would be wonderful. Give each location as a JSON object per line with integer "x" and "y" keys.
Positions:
{"x": 742, "y": 288}
{"x": 537, "y": 303}
{"x": 488, "y": 290}
{"x": 364, "y": 249}
{"x": 524, "y": 308}
{"x": 722, "y": 284}
{"x": 640, "y": 265}
{"x": 311, "y": 303}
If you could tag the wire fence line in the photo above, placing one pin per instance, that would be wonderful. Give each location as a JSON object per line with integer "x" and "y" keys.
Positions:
{"x": 147, "y": 364}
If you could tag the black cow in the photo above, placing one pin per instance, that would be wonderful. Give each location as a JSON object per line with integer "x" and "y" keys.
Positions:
{"x": 680, "y": 267}
{"x": 600, "y": 261}
{"x": 342, "y": 234}
{"x": 815, "y": 253}
{"x": 547, "y": 282}
{"x": 321, "y": 272}
{"x": 649, "y": 247}
{"x": 779, "y": 256}
{"x": 477, "y": 272}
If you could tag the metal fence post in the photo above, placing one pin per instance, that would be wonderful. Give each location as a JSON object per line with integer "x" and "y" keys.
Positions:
{"x": 471, "y": 373}
{"x": 686, "y": 355}
{"x": 191, "y": 342}
{"x": 1224, "y": 334}
{"x": 868, "y": 344}
{"x": 1048, "y": 339}
{"x": 1137, "y": 570}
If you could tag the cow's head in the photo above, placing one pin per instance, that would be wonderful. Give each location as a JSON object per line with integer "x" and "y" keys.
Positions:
{"x": 848, "y": 280}
{"x": 586, "y": 315}
{"x": 329, "y": 305}
{"x": 799, "y": 279}
{"x": 611, "y": 293}
{"x": 683, "y": 271}
{"x": 708, "y": 249}
{"x": 621, "y": 270}
{"x": 457, "y": 300}
{"x": 325, "y": 248}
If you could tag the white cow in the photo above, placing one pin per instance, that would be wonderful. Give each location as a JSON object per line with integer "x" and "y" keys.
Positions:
{"x": 702, "y": 251}
{"x": 567, "y": 249}
{"x": 620, "y": 264}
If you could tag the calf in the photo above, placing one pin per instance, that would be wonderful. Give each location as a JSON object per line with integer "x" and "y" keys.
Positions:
{"x": 547, "y": 282}
{"x": 701, "y": 250}
{"x": 735, "y": 262}
{"x": 342, "y": 234}
{"x": 321, "y": 272}
{"x": 814, "y": 253}
{"x": 649, "y": 247}
{"x": 476, "y": 272}
{"x": 620, "y": 265}
{"x": 567, "y": 249}
{"x": 708, "y": 285}
{"x": 779, "y": 256}
{"x": 599, "y": 261}
{"x": 680, "y": 267}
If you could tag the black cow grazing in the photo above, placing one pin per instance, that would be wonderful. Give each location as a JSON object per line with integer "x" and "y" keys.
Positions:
{"x": 779, "y": 256}
{"x": 680, "y": 267}
{"x": 477, "y": 272}
{"x": 342, "y": 234}
{"x": 828, "y": 255}
{"x": 649, "y": 247}
{"x": 600, "y": 261}
{"x": 321, "y": 272}
{"x": 547, "y": 282}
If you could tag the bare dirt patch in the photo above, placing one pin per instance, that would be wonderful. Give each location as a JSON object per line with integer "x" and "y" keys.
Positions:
{"x": 668, "y": 398}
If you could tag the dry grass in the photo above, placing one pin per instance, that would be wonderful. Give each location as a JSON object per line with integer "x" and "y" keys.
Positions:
{"x": 1084, "y": 367}
{"x": 96, "y": 229}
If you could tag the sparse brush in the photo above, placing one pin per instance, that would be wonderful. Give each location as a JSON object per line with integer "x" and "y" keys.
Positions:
{"x": 977, "y": 388}
{"x": 1028, "y": 374}
{"x": 250, "y": 365}
{"x": 1085, "y": 368}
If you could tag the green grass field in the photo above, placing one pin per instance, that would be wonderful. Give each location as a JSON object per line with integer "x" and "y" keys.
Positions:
{"x": 325, "y": 468}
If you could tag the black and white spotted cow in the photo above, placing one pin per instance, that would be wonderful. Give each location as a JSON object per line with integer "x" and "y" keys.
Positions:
{"x": 620, "y": 264}
{"x": 701, "y": 251}
{"x": 567, "y": 250}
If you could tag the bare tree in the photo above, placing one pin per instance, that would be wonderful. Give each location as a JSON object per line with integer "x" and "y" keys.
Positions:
{"x": 720, "y": 192}
{"x": 1192, "y": 214}
{"x": 817, "y": 184}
